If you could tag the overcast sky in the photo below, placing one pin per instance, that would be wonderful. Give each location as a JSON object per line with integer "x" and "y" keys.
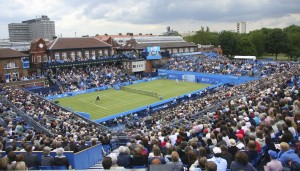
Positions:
{"x": 90, "y": 17}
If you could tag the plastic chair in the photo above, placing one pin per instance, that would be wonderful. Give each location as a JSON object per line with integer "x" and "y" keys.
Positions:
{"x": 59, "y": 168}
{"x": 45, "y": 168}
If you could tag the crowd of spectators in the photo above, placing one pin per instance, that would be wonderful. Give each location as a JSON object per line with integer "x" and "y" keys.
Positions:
{"x": 82, "y": 78}
{"x": 217, "y": 65}
{"x": 258, "y": 124}
{"x": 251, "y": 119}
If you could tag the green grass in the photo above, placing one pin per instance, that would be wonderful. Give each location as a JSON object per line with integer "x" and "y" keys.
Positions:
{"x": 116, "y": 101}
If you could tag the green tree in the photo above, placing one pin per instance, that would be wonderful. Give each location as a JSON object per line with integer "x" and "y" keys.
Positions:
{"x": 245, "y": 46}
{"x": 277, "y": 42}
{"x": 207, "y": 29}
{"x": 203, "y": 38}
{"x": 293, "y": 34}
{"x": 258, "y": 39}
{"x": 228, "y": 42}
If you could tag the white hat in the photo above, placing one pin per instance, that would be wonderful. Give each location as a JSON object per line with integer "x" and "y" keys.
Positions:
{"x": 246, "y": 119}
{"x": 232, "y": 142}
{"x": 240, "y": 146}
{"x": 216, "y": 150}
{"x": 250, "y": 110}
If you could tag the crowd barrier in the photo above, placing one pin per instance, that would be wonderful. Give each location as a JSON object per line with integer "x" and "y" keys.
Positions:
{"x": 81, "y": 160}
{"x": 77, "y": 92}
{"x": 84, "y": 114}
{"x": 204, "y": 77}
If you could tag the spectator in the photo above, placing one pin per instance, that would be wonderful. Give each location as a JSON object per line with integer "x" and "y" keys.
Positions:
{"x": 175, "y": 163}
{"x": 138, "y": 158}
{"x": 11, "y": 160}
{"x": 20, "y": 164}
{"x": 273, "y": 165}
{"x": 60, "y": 159}
{"x": 287, "y": 155}
{"x": 220, "y": 162}
{"x": 252, "y": 152}
{"x": 226, "y": 155}
{"x": 46, "y": 158}
{"x": 232, "y": 149}
{"x": 106, "y": 163}
{"x": 211, "y": 166}
{"x": 124, "y": 158}
{"x": 241, "y": 162}
{"x": 31, "y": 160}
{"x": 157, "y": 154}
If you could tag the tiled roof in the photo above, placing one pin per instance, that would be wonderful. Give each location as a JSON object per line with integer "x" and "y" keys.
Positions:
{"x": 106, "y": 37}
{"x": 162, "y": 45}
{"x": 76, "y": 43}
{"x": 9, "y": 53}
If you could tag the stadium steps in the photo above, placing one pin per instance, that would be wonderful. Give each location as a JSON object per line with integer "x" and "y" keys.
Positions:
{"x": 97, "y": 166}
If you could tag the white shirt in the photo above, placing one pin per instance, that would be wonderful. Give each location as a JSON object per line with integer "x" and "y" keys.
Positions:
{"x": 220, "y": 162}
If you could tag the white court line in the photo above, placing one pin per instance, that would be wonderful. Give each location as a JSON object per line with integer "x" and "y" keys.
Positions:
{"x": 92, "y": 103}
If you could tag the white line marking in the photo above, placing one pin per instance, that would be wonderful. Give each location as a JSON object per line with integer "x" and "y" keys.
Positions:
{"x": 92, "y": 103}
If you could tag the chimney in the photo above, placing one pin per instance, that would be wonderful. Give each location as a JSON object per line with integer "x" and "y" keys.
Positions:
{"x": 106, "y": 34}
{"x": 140, "y": 34}
{"x": 150, "y": 34}
{"x": 120, "y": 34}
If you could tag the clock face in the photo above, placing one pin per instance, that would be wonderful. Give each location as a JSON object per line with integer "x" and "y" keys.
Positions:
{"x": 41, "y": 45}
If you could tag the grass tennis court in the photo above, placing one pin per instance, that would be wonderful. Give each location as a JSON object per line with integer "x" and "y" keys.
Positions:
{"x": 116, "y": 101}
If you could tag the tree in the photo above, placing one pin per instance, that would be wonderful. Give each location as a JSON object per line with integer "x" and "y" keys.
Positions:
{"x": 293, "y": 34}
{"x": 277, "y": 42}
{"x": 258, "y": 39}
{"x": 207, "y": 29}
{"x": 203, "y": 38}
{"x": 202, "y": 28}
{"x": 245, "y": 46}
{"x": 228, "y": 42}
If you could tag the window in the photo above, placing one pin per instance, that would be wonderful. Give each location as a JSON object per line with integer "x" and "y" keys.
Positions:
{"x": 11, "y": 65}
{"x": 106, "y": 52}
{"x": 64, "y": 56}
{"x": 175, "y": 51}
{"x": 38, "y": 58}
{"x": 87, "y": 54}
{"x": 186, "y": 49}
{"x": 79, "y": 54}
{"x": 57, "y": 57}
{"x": 181, "y": 50}
{"x": 100, "y": 53}
{"x": 15, "y": 75}
{"x": 133, "y": 66}
{"x": 191, "y": 49}
{"x": 45, "y": 58}
{"x": 73, "y": 56}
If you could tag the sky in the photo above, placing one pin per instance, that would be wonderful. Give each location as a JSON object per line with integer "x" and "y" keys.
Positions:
{"x": 91, "y": 17}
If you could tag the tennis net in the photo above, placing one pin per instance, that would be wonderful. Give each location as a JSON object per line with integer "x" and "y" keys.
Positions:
{"x": 147, "y": 93}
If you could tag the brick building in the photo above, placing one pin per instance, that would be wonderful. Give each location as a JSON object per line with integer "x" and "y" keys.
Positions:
{"x": 63, "y": 50}
{"x": 13, "y": 65}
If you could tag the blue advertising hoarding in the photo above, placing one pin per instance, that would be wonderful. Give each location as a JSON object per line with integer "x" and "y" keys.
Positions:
{"x": 153, "y": 52}
{"x": 25, "y": 63}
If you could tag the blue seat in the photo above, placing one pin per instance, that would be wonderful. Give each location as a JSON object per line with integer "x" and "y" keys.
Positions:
{"x": 59, "y": 168}
{"x": 45, "y": 168}
{"x": 106, "y": 149}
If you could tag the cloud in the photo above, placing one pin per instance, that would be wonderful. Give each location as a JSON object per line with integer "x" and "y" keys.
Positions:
{"x": 149, "y": 16}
